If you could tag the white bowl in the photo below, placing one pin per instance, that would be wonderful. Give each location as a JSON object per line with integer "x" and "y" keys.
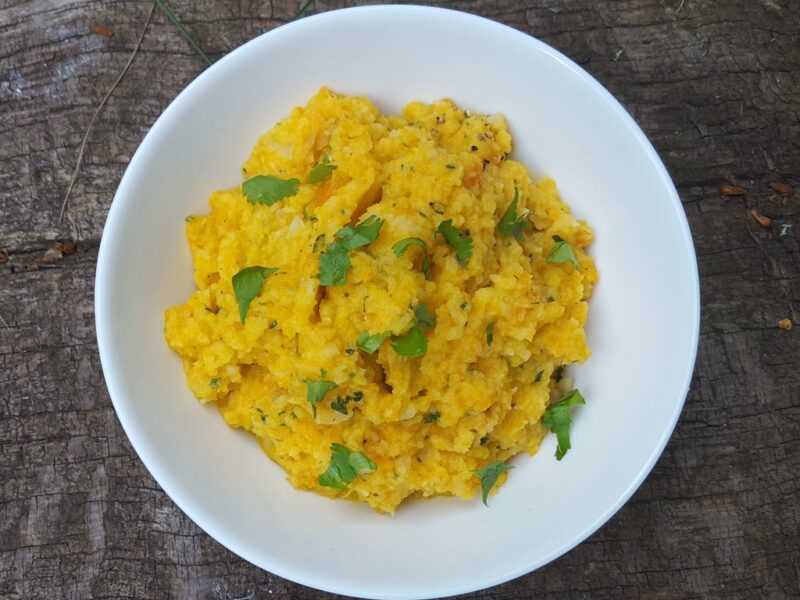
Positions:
{"x": 643, "y": 319}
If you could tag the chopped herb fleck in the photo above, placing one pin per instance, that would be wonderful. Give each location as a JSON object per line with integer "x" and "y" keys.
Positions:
{"x": 273, "y": 324}
{"x": 413, "y": 343}
{"x": 345, "y": 467}
{"x": 370, "y": 343}
{"x": 268, "y": 189}
{"x": 488, "y": 476}
{"x": 432, "y": 416}
{"x": 321, "y": 171}
{"x": 490, "y": 333}
{"x": 214, "y": 383}
{"x": 247, "y": 284}
{"x": 557, "y": 419}
{"x": 401, "y": 246}
{"x": 562, "y": 252}
{"x": 335, "y": 261}
{"x": 316, "y": 391}
{"x": 511, "y": 223}
{"x": 460, "y": 242}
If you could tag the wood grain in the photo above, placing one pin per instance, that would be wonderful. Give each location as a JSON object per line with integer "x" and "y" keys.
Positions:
{"x": 714, "y": 84}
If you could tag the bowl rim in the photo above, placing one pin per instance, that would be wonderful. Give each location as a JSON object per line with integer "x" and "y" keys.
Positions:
{"x": 104, "y": 311}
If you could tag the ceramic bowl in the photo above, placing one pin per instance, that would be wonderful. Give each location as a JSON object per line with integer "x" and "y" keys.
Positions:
{"x": 643, "y": 321}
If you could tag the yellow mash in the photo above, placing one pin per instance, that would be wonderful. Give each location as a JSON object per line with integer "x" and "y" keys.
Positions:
{"x": 506, "y": 318}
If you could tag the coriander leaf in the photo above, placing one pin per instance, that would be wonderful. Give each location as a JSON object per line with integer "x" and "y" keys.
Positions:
{"x": 488, "y": 476}
{"x": 247, "y": 285}
{"x": 460, "y": 242}
{"x": 345, "y": 467}
{"x": 432, "y": 416}
{"x": 316, "y": 391}
{"x": 412, "y": 343}
{"x": 268, "y": 189}
{"x": 335, "y": 261}
{"x": 321, "y": 170}
{"x": 356, "y": 236}
{"x": 562, "y": 252}
{"x": 401, "y": 246}
{"x": 490, "y": 333}
{"x": 370, "y": 343}
{"x": 340, "y": 405}
{"x": 361, "y": 463}
{"x": 333, "y": 265}
{"x": 424, "y": 316}
{"x": 557, "y": 419}
{"x": 511, "y": 223}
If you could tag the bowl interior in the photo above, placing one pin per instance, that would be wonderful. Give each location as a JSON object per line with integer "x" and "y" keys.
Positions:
{"x": 642, "y": 325}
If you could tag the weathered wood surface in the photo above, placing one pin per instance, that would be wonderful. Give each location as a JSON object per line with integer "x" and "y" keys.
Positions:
{"x": 713, "y": 83}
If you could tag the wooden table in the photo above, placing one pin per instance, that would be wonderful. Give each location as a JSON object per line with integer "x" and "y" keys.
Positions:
{"x": 715, "y": 87}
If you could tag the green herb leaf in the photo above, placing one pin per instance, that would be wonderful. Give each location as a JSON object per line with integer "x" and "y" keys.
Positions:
{"x": 364, "y": 233}
{"x": 424, "y": 316}
{"x": 562, "y": 252}
{"x": 214, "y": 383}
{"x": 334, "y": 264}
{"x": 557, "y": 419}
{"x": 511, "y": 223}
{"x": 432, "y": 416}
{"x": 460, "y": 242}
{"x": 345, "y": 467}
{"x": 268, "y": 189}
{"x": 490, "y": 333}
{"x": 321, "y": 171}
{"x": 247, "y": 284}
{"x": 340, "y": 405}
{"x": 401, "y": 246}
{"x": 488, "y": 476}
{"x": 413, "y": 343}
{"x": 335, "y": 261}
{"x": 370, "y": 343}
{"x": 316, "y": 391}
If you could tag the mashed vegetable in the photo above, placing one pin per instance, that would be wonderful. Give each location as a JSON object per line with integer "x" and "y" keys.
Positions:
{"x": 334, "y": 380}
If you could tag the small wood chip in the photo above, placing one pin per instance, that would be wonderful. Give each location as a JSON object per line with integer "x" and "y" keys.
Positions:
{"x": 706, "y": 46}
{"x": 104, "y": 31}
{"x": 764, "y": 221}
{"x": 52, "y": 255}
{"x": 3, "y": 256}
{"x": 785, "y": 324}
{"x": 66, "y": 249}
{"x": 781, "y": 189}
{"x": 731, "y": 190}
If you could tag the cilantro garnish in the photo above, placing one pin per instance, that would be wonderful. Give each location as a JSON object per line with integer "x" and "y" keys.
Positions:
{"x": 321, "y": 170}
{"x": 562, "y": 252}
{"x": 557, "y": 419}
{"x": 345, "y": 467}
{"x": 335, "y": 261}
{"x": 424, "y": 316}
{"x": 340, "y": 404}
{"x": 460, "y": 242}
{"x": 490, "y": 333}
{"x": 268, "y": 189}
{"x": 316, "y": 391}
{"x": 247, "y": 285}
{"x": 370, "y": 343}
{"x": 432, "y": 416}
{"x": 401, "y": 246}
{"x": 488, "y": 476}
{"x": 511, "y": 223}
{"x": 413, "y": 343}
